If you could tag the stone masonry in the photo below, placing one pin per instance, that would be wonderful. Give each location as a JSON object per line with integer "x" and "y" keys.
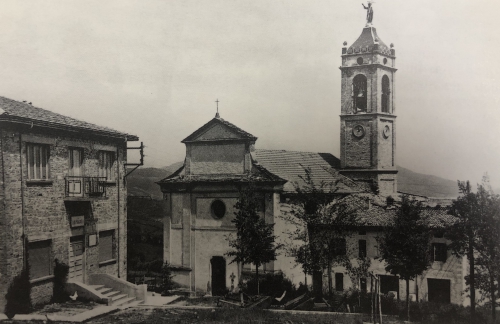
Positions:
{"x": 39, "y": 210}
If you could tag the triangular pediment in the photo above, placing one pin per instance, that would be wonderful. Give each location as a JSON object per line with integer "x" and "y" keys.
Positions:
{"x": 218, "y": 129}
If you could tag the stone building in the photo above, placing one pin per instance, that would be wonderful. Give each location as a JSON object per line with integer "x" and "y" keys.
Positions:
{"x": 221, "y": 158}
{"x": 62, "y": 196}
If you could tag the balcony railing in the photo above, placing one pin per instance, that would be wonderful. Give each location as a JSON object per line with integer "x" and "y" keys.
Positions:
{"x": 85, "y": 187}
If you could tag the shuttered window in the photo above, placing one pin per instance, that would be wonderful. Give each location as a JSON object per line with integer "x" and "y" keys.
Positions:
{"x": 106, "y": 251}
{"x": 38, "y": 161}
{"x": 75, "y": 162}
{"x": 39, "y": 259}
{"x": 106, "y": 161}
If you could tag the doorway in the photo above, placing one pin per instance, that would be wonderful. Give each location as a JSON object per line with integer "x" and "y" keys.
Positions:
{"x": 439, "y": 290}
{"x": 76, "y": 248}
{"x": 218, "y": 266}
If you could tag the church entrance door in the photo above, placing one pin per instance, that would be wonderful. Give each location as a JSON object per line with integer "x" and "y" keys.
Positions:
{"x": 218, "y": 265}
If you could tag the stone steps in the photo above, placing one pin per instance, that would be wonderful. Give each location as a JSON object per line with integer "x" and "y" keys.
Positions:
{"x": 117, "y": 297}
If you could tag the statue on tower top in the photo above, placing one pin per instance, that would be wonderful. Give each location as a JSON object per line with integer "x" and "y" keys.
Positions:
{"x": 369, "y": 13}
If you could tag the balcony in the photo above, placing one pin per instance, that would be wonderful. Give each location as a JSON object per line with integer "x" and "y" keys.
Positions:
{"x": 85, "y": 187}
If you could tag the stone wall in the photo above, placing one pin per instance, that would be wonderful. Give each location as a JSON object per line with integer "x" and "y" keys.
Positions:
{"x": 217, "y": 159}
{"x": 38, "y": 209}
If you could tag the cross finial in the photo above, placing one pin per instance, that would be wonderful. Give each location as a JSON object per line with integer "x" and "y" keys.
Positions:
{"x": 217, "y": 114}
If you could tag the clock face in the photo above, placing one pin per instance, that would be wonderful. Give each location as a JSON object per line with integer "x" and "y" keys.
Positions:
{"x": 358, "y": 131}
{"x": 386, "y": 132}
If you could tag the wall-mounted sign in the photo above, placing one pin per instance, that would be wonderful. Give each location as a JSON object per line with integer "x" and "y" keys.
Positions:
{"x": 77, "y": 221}
{"x": 92, "y": 240}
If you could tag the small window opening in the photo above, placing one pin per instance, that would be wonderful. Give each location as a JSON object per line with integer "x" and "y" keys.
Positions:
{"x": 218, "y": 209}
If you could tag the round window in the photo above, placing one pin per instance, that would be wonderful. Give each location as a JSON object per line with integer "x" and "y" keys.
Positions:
{"x": 218, "y": 209}
{"x": 360, "y": 60}
{"x": 385, "y": 60}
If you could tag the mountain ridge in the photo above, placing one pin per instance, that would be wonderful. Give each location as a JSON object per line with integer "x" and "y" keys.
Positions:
{"x": 142, "y": 182}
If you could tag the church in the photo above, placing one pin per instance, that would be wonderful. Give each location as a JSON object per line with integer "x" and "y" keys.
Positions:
{"x": 221, "y": 159}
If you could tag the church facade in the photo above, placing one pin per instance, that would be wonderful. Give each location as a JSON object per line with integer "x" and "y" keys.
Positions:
{"x": 221, "y": 159}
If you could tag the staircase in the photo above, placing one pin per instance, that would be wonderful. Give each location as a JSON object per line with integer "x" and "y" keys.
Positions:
{"x": 106, "y": 289}
{"x": 116, "y": 297}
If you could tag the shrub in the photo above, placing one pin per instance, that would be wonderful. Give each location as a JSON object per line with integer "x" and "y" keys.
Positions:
{"x": 18, "y": 295}
{"x": 436, "y": 313}
{"x": 61, "y": 271}
{"x": 155, "y": 266}
{"x": 166, "y": 279}
{"x": 358, "y": 301}
{"x": 271, "y": 285}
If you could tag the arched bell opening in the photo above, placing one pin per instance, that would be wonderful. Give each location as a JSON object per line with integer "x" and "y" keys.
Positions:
{"x": 359, "y": 93}
{"x": 386, "y": 92}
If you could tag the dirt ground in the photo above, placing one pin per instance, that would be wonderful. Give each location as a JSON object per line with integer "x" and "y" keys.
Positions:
{"x": 212, "y": 316}
{"x": 68, "y": 308}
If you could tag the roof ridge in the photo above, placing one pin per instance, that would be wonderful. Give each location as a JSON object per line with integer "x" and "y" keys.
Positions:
{"x": 22, "y": 110}
{"x": 278, "y": 150}
{"x": 226, "y": 123}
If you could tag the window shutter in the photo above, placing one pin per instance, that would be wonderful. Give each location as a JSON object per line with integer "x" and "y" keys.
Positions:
{"x": 106, "y": 246}
{"x": 39, "y": 259}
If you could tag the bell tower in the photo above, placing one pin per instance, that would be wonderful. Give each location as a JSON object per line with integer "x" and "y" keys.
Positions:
{"x": 368, "y": 120}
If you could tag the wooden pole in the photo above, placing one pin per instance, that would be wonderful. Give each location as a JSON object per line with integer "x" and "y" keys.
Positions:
{"x": 379, "y": 301}
{"x": 372, "y": 318}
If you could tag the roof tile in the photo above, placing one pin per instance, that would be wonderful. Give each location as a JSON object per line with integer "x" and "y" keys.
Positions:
{"x": 12, "y": 110}
{"x": 291, "y": 165}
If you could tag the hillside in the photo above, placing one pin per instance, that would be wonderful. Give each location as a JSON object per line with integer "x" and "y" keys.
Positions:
{"x": 426, "y": 185}
{"x": 142, "y": 182}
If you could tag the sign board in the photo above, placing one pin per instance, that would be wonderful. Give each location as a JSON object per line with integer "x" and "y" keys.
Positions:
{"x": 77, "y": 221}
{"x": 92, "y": 239}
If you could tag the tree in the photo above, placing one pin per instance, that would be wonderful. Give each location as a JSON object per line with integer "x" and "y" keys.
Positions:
{"x": 404, "y": 245}
{"x": 255, "y": 239}
{"x": 464, "y": 232}
{"x": 488, "y": 247}
{"x": 479, "y": 213}
{"x": 320, "y": 221}
{"x": 357, "y": 269}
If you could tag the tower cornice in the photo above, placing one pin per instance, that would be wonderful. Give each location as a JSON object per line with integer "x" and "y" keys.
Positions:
{"x": 370, "y": 52}
{"x": 372, "y": 65}
{"x": 369, "y": 115}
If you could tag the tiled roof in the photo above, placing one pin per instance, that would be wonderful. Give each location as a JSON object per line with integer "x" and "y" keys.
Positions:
{"x": 372, "y": 212}
{"x": 291, "y": 165}
{"x": 258, "y": 174}
{"x": 366, "y": 42}
{"x": 11, "y": 110}
{"x": 219, "y": 120}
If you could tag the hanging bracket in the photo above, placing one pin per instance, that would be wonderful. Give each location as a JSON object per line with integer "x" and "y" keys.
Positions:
{"x": 141, "y": 163}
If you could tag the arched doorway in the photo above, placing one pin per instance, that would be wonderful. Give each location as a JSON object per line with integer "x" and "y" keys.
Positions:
{"x": 218, "y": 266}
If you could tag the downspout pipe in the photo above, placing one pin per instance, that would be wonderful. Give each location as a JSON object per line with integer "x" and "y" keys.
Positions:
{"x": 23, "y": 216}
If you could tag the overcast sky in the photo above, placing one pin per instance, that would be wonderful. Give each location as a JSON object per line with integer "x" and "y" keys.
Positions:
{"x": 155, "y": 68}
